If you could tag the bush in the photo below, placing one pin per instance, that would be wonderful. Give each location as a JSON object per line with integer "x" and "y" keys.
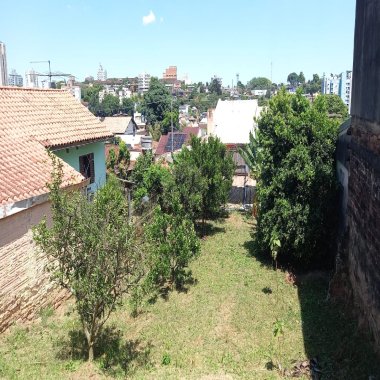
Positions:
{"x": 174, "y": 245}
{"x": 297, "y": 189}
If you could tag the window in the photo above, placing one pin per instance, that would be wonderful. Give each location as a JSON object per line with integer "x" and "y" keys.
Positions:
{"x": 86, "y": 166}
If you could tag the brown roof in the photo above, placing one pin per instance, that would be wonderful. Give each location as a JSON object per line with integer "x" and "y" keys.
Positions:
{"x": 117, "y": 124}
{"x": 163, "y": 145}
{"x": 32, "y": 120}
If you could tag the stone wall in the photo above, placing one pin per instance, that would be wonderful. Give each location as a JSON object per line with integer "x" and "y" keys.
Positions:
{"x": 25, "y": 287}
{"x": 363, "y": 217}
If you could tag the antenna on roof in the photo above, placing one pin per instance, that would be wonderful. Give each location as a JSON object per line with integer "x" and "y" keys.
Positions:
{"x": 50, "y": 74}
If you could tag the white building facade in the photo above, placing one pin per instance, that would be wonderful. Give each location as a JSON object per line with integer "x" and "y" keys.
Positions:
{"x": 31, "y": 79}
{"x": 3, "y": 65}
{"x": 143, "y": 83}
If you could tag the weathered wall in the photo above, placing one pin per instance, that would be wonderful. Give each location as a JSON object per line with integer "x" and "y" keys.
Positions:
{"x": 364, "y": 169}
{"x": 25, "y": 287}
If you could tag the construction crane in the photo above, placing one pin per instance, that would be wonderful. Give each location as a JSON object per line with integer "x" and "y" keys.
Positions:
{"x": 50, "y": 74}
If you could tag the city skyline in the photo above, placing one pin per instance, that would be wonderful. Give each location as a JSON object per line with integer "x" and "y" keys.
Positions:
{"x": 252, "y": 38}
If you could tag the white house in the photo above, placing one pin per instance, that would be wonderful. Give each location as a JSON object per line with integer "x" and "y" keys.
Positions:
{"x": 232, "y": 120}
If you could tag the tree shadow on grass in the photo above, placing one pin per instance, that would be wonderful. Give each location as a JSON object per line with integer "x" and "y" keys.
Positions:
{"x": 111, "y": 351}
{"x": 262, "y": 258}
{"x": 184, "y": 284}
{"x": 208, "y": 229}
{"x": 331, "y": 335}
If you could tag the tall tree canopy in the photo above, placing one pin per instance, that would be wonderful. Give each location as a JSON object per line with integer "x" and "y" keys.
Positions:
{"x": 156, "y": 102}
{"x": 297, "y": 186}
{"x": 215, "y": 87}
{"x": 259, "y": 83}
{"x": 293, "y": 79}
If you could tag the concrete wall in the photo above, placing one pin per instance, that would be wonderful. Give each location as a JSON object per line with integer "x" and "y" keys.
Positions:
{"x": 71, "y": 156}
{"x": 363, "y": 217}
{"x": 25, "y": 287}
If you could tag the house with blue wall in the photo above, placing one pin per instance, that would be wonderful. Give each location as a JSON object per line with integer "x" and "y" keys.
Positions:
{"x": 32, "y": 123}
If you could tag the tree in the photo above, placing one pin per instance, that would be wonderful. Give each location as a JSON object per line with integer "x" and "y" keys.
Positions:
{"x": 175, "y": 244}
{"x": 336, "y": 108}
{"x": 215, "y": 87}
{"x": 211, "y": 168}
{"x": 91, "y": 251}
{"x": 301, "y": 78}
{"x": 127, "y": 106}
{"x": 259, "y": 83}
{"x": 297, "y": 187}
{"x": 240, "y": 86}
{"x": 118, "y": 162}
{"x": 169, "y": 118}
{"x": 293, "y": 79}
{"x": 250, "y": 155}
{"x": 156, "y": 102}
{"x": 110, "y": 105}
{"x": 313, "y": 86}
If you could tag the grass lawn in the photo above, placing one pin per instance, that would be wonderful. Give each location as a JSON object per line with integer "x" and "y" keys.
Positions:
{"x": 220, "y": 328}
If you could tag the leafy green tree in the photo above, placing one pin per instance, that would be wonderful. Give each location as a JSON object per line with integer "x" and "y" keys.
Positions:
{"x": 118, "y": 162}
{"x": 301, "y": 78}
{"x": 91, "y": 250}
{"x": 297, "y": 186}
{"x": 293, "y": 79}
{"x": 156, "y": 102}
{"x": 110, "y": 105}
{"x": 211, "y": 168}
{"x": 175, "y": 244}
{"x": 170, "y": 117}
{"x": 259, "y": 83}
{"x": 336, "y": 108}
{"x": 250, "y": 154}
{"x": 240, "y": 86}
{"x": 313, "y": 86}
{"x": 155, "y": 131}
{"x": 127, "y": 106}
{"x": 215, "y": 87}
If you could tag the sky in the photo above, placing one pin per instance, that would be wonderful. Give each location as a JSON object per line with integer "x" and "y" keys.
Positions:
{"x": 270, "y": 38}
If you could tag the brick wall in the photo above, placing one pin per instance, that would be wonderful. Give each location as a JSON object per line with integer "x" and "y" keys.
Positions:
{"x": 25, "y": 287}
{"x": 363, "y": 215}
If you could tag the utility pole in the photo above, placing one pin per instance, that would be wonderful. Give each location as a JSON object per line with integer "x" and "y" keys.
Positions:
{"x": 171, "y": 121}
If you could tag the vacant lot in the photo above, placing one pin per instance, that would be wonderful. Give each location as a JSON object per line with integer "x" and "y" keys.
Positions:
{"x": 221, "y": 327}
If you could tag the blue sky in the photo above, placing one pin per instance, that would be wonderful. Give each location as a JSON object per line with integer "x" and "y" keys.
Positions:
{"x": 200, "y": 37}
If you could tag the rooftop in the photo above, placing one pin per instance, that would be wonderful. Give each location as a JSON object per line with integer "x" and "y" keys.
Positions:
{"x": 32, "y": 120}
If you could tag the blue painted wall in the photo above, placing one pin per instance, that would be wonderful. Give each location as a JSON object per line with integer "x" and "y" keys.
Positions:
{"x": 71, "y": 156}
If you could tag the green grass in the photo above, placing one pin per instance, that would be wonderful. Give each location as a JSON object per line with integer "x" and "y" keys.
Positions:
{"x": 220, "y": 328}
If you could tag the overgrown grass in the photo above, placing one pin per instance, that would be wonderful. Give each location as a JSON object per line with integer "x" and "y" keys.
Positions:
{"x": 220, "y": 327}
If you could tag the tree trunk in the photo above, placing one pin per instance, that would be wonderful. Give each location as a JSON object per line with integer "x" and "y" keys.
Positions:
{"x": 90, "y": 342}
{"x": 91, "y": 353}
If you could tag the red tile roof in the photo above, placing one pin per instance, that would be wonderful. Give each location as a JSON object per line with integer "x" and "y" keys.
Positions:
{"x": 32, "y": 120}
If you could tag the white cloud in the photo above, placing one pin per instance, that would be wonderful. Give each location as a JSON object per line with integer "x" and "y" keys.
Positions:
{"x": 161, "y": 19}
{"x": 149, "y": 19}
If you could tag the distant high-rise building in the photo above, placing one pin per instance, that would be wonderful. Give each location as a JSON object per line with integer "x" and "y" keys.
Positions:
{"x": 3, "y": 65}
{"x": 339, "y": 85}
{"x": 31, "y": 79}
{"x": 170, "y": 73}
{"x": 15, "y": 79}
{"x": 102, "y": 73}
{"x": 143, "y": 84}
